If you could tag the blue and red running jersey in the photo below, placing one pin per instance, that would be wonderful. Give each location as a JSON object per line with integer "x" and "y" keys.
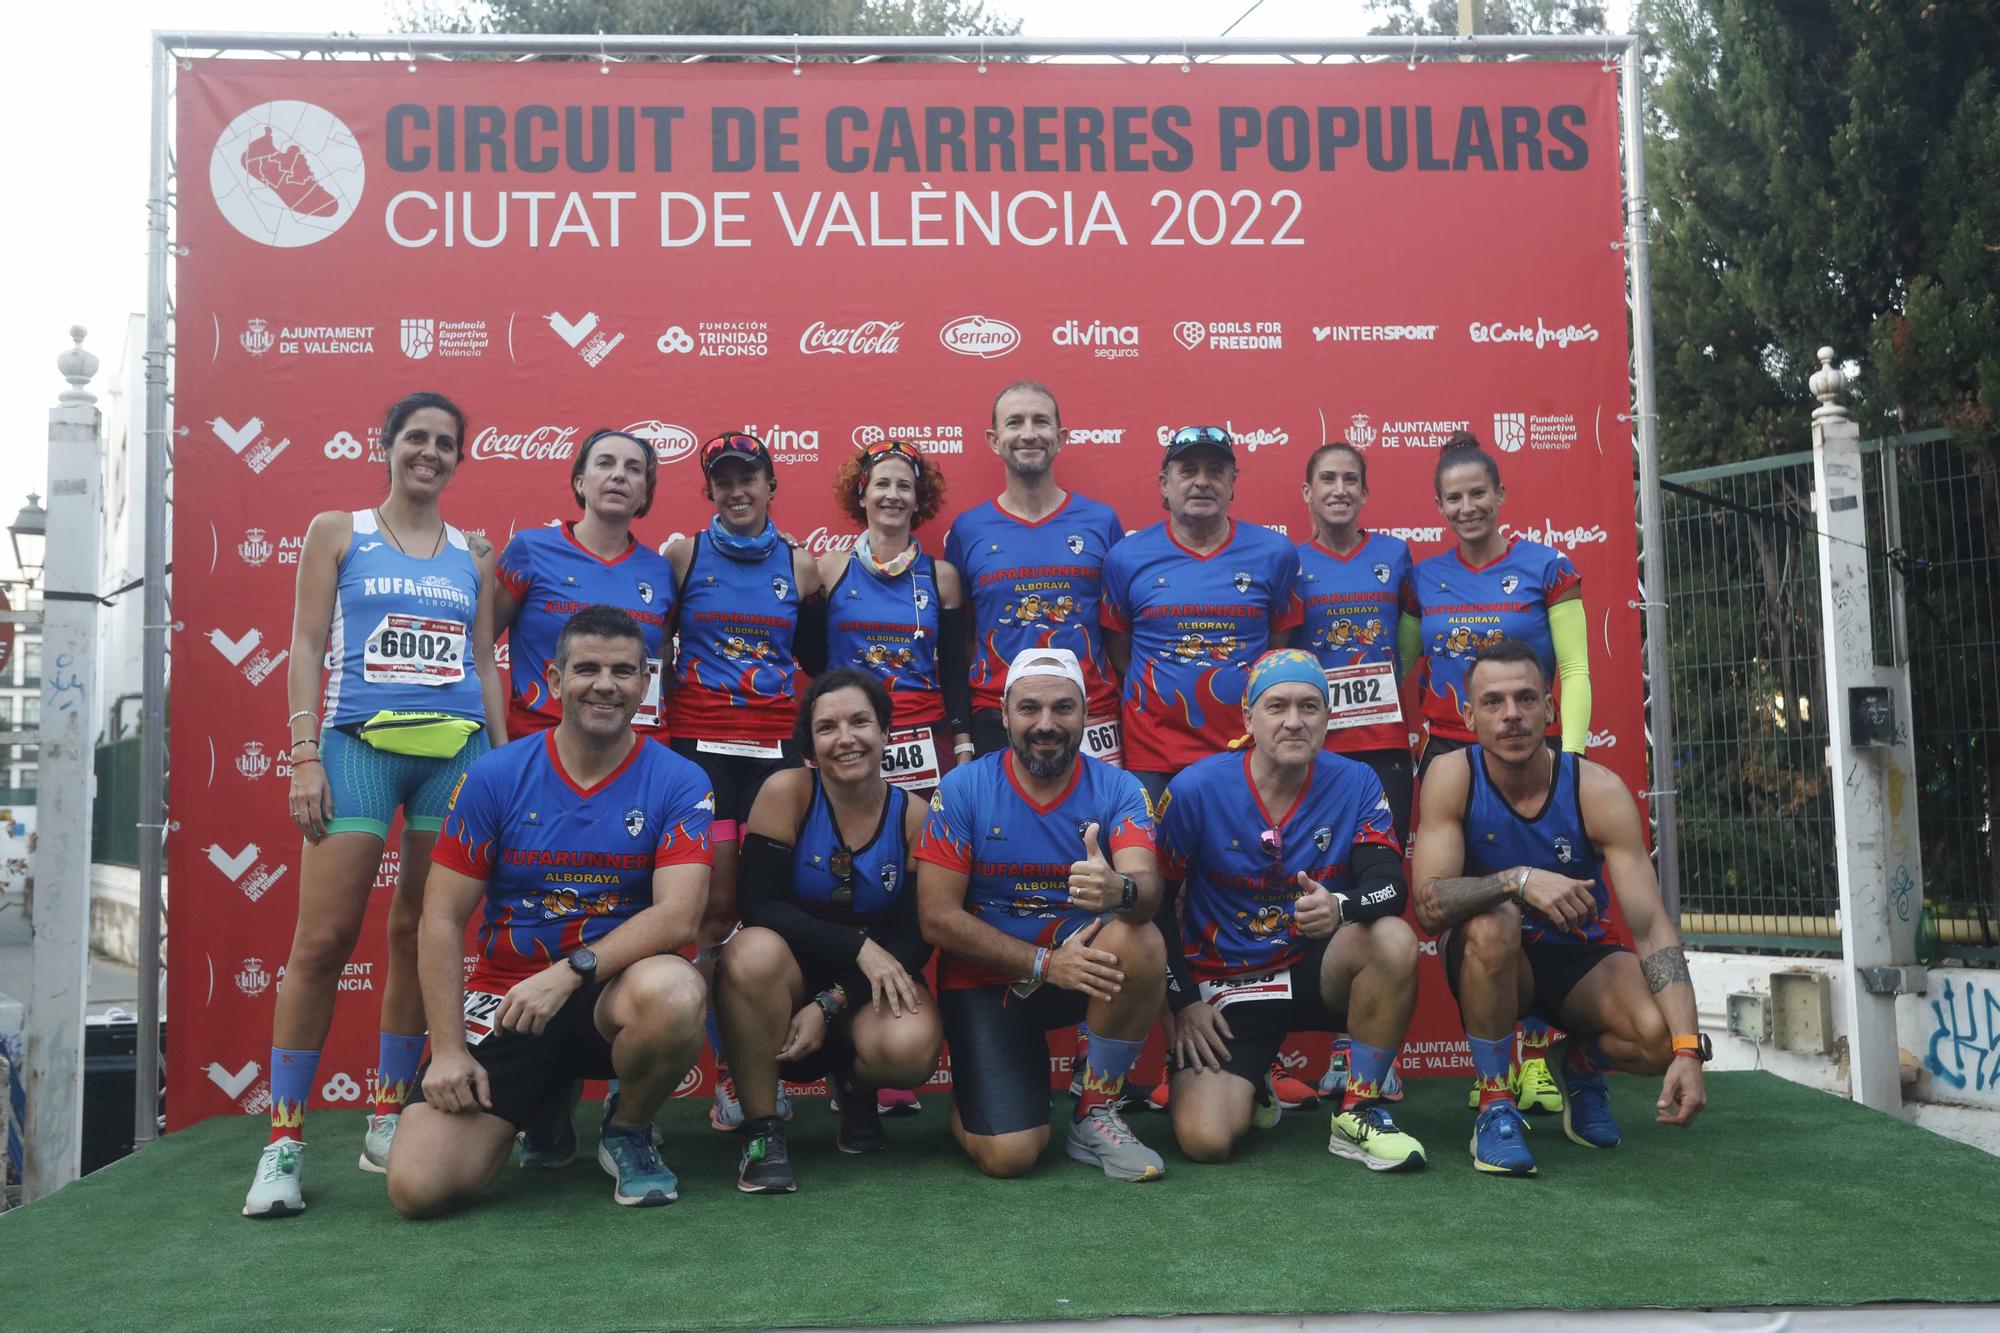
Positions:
{"x": 1352, "y": 605}
{"x": 1036, "y": 585}
{"x": 553, "y": 577}
{"x": 871, "y": 892}
{"x": 1239, "y": 862}
{"x": 1017, "y": 852}
{"x": 1497, "y": 838}
{"x": 565, "y": 865}
{"x": 734, "y": 668}
{"x": 1197, "y": 623}
{"x": 888, "y": 627}
{"x": 1463, "y": 608}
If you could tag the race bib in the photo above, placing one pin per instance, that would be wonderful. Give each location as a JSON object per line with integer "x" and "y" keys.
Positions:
{"x": 414, "y": 650}
{"x": 649, "y": 708}
{"x": 480, "y": 1006}
{"x": 1103, "y": 739}
{"x": 1363, "y": 695}
{"x": 910, "y": 758}
{"x": 743, "y": 749}
{"x": 1257, "y": 986}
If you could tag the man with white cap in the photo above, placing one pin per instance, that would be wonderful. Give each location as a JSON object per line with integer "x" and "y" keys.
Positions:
{"x": 1292, "y": 922}
{"x": 1036, "y": 881}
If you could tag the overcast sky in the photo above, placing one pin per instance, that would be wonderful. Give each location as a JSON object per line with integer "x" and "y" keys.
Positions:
{"x": 78, "y": 99}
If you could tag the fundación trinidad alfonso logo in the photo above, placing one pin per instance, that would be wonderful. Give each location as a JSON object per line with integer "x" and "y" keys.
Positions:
{"x": 287, "y": 174}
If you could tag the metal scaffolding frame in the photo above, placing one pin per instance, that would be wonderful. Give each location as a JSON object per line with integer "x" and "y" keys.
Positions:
{"x": 174, "y": 51}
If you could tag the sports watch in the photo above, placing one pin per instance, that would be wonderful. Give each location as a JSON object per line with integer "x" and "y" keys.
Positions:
{"x": 1697, "y": 1047}
{"x": 584, "y": 963}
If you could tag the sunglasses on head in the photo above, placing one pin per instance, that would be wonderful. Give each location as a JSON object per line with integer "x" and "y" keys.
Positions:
{"x": 1273, "y": 842}
{"x": 747, "y": 447}
{"x": 871, "y": 454}
{"x": 1214, "y": 435}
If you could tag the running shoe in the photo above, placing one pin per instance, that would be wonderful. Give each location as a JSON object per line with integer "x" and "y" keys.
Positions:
{"x": 725, "y": 1116}
{"x": 860, "y": 1124}
{"x": 1103, "y": 1139}
{"x": 1334, "y": 1085}
{"x": 1367, "y": 1134}
{"x": 276, "y": 1190}
{"x": 1132, "y": 1097}
{"x": 766, "y": 1166}
{"x": 1586, "y": 1111}
{"x": 551, "y": 1143}
{"x": 1156, "y": 1100}
{"x": 1265, "y": 1108}
{"x": 1535, "y": 1088}
{"x": 897, "y": 1102}
{"x": 375, "y": 1144}
{"x": 630, "y": 1157}
{"x": 1292, "y": 1093}
{"x": 1500, "y": 1142}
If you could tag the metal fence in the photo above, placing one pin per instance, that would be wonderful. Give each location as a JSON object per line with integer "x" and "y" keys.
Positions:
{"x": 1755, "y": 812}
{"x": 114, "y": 815}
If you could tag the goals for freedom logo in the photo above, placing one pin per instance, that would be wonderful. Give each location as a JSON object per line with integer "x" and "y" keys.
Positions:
{"x": 287, "y": 174}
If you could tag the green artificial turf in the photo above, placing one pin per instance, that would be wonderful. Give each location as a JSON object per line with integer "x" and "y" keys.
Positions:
{"x": 1780, "y": 1196}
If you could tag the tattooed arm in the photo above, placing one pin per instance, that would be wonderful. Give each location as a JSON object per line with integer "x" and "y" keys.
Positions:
{"x": 1440, "y": 897}
{"x": 1611, "y": 819}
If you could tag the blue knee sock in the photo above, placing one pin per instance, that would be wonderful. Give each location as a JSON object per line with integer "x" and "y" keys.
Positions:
{"x": 291, "y": 1083}
{"x": 1104, "y": 1069}
{"x": 1367, "y": 1066}
{"x": 396, "y": 1069}
{"x": 715, "y": 1038}
{"x": 1493, "y": 1063}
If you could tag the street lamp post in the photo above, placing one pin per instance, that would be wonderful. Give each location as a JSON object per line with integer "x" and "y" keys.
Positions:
{"x": 29, "y": 532}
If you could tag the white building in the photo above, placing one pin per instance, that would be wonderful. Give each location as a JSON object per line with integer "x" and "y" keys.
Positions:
{"x": 122, "y": 557}
{"x": 21, "y": 694}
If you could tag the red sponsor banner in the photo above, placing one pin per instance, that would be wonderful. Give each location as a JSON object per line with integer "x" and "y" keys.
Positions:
{"x": 823, "y": 258}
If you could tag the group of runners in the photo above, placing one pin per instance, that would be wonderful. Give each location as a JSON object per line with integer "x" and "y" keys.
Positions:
{"x": 1111, "y": 780}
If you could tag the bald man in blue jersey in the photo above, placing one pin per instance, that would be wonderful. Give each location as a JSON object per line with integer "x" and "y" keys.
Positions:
{"x": 1036, "y": 880}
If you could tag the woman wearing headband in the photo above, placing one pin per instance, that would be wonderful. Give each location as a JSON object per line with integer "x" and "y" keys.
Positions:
{"x": 412, "y": 698}
{"x": 548, "y": 574}
{"x": 826, "y": 976}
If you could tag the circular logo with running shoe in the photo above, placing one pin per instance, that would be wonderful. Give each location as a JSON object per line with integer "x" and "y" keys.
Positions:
{"x": 287, "y": 174}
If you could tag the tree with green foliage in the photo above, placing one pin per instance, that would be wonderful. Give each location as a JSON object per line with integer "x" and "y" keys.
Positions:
{"x": 722, "y": 18}
{"x": 1510, "y": 18}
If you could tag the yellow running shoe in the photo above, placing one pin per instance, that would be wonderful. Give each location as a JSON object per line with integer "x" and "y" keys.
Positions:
{"x": 1368, "y": 1135}
{"x": 1535, "y": 1088}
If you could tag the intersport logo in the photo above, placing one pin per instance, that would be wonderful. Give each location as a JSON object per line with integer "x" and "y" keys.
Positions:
{"x": 980, "y": 335}
{"x": 871, "y": 337}
{"x": 1539, "y": 337}
{"x": 1096, "y": 435}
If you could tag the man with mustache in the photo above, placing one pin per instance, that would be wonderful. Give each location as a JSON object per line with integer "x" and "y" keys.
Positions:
{"x": 1036, "y": 881}
{"x": 1514, "y": 844}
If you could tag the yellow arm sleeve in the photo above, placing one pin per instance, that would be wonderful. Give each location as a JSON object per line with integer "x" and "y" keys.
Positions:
{"x": 1409, "y": 642}
{"x": 1569, "y": 626}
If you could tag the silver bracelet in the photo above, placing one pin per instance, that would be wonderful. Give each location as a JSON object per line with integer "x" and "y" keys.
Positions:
{"x": 303, "y": 712}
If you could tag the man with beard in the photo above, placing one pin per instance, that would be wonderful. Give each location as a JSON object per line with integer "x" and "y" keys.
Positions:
{"x": 1036, "y": 881}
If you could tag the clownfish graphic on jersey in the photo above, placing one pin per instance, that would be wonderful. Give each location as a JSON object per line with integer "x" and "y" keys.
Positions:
{"x": 1464, "y": 608}
{"x": 565, "y": 865}
{"x": 1016, "y": 852}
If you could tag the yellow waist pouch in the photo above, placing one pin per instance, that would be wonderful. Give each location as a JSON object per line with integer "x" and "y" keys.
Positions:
{"x": 425, "y": 735}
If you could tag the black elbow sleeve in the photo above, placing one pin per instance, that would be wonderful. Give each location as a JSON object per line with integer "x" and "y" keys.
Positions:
{"x": 809, "y": 639}
{"x": 954, "y": 669}
{"x": 763, "y": 875}
{"x": 1379, "y": 887}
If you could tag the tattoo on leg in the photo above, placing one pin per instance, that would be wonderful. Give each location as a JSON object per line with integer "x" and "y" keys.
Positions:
{"x": 1666, "y": 967}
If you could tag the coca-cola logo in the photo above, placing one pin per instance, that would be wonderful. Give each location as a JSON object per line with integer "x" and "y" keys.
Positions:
{"x": 871, "y": 337}
{"x": 821, "y": 542}
{"x": 542, "y": 444}
{"x": 670, "y": 443}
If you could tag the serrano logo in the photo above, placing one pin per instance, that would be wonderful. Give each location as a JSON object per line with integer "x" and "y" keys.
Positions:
{"x": 670, "y": 443}
{"x": 871, "y": 337}
{"x": 980, "y": 336}
{"x": 287, "y": 174}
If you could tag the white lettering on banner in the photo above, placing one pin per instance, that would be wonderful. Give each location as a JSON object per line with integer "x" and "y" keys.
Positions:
{"x": 1363, "y": 432}
{"x": 245, "y": 871}
{"x": 256, "y": 663}
{"x": 249, "y": 442}
{"x": 822, "y": 542}
{"x": 736, "y": 337}
{"x": 452, "y": 218}
{"x": 1262, "y": 335}
{"x": 670, "y": 443}
{"x": 1539, "y": 337}
{"x": 584, "y": 336}
{"x": 980, "y": 335}
{"x": 1087, "y": 435}
{"x": 1602, "y": 740}
{"x": 542, "y": 444}
{"x": 1548, "y": 534}
{"x": 787, "y": 446}
{"x": 1248, "y": 440}
{"x": 390, "y": 866}
{"x": 1108, "y": 342}
{"x": 1032, "y": 218}
{"x": 1375, "y": 333}
{"x": 1435, "y": 534}
{"x": 425, "y": 338}
{"x": 936, "y": 438}
{"x": 871, "y": 337}
{"x": 242, "y": 1085}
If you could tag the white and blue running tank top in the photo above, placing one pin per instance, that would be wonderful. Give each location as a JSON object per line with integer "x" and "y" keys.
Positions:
{"x": 402, "y": 629}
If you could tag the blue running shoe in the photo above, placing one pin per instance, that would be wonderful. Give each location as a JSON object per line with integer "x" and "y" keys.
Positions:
{"x": 630, "y": 1157}
{"x": 1500, "y": 1142}
{"x": 1587, "y": 1111}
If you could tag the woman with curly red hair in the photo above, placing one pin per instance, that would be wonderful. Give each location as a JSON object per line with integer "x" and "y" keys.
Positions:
{"x": 899, "y": 614}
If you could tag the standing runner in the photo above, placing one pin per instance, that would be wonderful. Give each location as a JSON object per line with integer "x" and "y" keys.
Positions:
{"x": 1492, "y": 586}
{"x": 751, "y": 615}
{"x": 1033, "y": 564}
{"x": 405, "y": 601}
{"x": 549, "y": 574}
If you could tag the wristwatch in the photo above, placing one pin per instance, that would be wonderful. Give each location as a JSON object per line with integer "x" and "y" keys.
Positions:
{"x": 1519, "y": 883}
{"x": 1128, "y": 896}
{"x": 1697, "y": 1047}
{"x": 584, "y": 963}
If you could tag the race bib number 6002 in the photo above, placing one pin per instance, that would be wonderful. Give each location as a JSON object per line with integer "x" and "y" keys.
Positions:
{"x": 415, "y": 650}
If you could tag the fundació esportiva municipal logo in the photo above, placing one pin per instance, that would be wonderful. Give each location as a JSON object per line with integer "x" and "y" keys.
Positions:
{"x": 287, "y": 174}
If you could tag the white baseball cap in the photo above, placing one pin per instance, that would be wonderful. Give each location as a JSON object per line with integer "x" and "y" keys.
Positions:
{"x": 1045, "y": 662}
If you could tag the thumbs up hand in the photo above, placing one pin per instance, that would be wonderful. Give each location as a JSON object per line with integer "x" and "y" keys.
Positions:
{"x": 1316, "y": 911}
{"x": 1093, "y": 885}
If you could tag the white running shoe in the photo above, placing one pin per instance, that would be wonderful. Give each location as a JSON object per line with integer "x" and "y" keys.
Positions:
{"x": 375, "y": 1144}
{"x": 276, "y": 1190}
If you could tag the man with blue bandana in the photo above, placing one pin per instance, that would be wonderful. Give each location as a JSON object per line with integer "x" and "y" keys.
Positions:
{"x": 1291, "y": 921}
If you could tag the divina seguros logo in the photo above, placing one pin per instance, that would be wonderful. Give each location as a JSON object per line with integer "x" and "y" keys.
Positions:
{"x": 287, "y": 174}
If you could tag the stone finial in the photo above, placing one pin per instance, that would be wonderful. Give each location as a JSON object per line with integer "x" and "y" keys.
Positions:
{"x": 79, "y": 368}
{"x": 1827, "y": 384}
